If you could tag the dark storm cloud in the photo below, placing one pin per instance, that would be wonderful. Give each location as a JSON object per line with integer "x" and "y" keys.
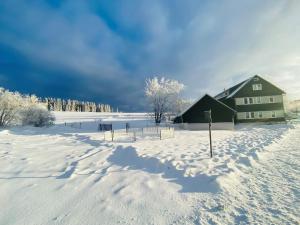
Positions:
{"x": 103, "y": 51}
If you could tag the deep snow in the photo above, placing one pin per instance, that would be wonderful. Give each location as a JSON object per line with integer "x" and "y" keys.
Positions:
{"x": 67, "y": 175}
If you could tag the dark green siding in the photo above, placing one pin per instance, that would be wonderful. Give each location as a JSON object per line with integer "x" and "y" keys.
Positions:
{"x": 195, "y": 114}
{"x": 267, "y": 89}
{"x": 281, "y": 119}
{"x": 259, "y": 107}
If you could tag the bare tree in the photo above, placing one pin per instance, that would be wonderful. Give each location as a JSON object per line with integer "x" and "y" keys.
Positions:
{"x": 162, "y": 93}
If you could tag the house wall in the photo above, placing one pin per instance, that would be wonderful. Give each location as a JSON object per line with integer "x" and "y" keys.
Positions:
{"x": 259, "y": 100}
{"x": 268, "y": 89}
{"x": 264, "y": 115}
{"x": 196, "y": 113}
{"x": 258, "y": 103}
{"x": 204, "y": 126}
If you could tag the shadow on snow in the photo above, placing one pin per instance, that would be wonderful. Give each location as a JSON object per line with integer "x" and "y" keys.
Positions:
{"x": 129, "y": 159}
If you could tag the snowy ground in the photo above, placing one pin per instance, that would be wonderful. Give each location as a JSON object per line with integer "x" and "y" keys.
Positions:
{"x": 67, "y": 175}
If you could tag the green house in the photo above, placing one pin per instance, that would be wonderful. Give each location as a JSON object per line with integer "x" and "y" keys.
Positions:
{"x": 255, "y": 99}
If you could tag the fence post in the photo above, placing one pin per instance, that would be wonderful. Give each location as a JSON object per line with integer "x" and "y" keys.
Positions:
{"x": 160, "y": 135}
{"x": 134, "y": 136}
{"x": 127, "y": 127}
{"x": 210, "y": 144}
{"x": 65, "y": 124}
{"x": 112, "y": 135}
{"x": 80, "y": 125}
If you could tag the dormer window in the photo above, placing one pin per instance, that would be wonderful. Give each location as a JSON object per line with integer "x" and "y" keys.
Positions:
{"x": 257, "y": 87}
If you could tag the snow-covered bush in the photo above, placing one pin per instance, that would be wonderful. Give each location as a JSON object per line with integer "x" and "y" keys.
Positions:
{"x": 10, "y": 104}
{"x": 36, "y": 115}
{"x": 162, "y": 95}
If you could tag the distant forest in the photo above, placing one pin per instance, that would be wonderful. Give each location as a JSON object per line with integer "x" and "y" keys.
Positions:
{"x": 57, "y": 104}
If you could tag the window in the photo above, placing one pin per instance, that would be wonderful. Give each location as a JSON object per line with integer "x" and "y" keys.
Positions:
{"x": 257, "y": 87}
{"x": 271, "y": 99}
{"x": 252, "y": 115}
{"x": 273, "y": 114}
{"x": 245, "y": 101}
{"x": 258, "y": 100}
{"x": 247, "y": 115}
{"x": 260, "y": 115}
{"x": 250, "y": 100}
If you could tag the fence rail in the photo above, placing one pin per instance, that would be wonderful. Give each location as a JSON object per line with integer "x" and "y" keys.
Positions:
{"x": 134, "y": 133}
{"x": 128, "y": 133}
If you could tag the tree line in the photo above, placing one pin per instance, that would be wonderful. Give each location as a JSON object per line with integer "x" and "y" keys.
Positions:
{"x": 57, "y": 104}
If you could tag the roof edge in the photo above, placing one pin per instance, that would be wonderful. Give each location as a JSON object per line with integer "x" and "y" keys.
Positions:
{"x": 203, "y": 97}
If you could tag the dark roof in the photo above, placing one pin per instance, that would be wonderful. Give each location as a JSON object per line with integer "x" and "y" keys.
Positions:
{"x": 207, "y": 95}
{"x": 229, "y": 91}
{"x": 233, "y": 90}
{"x": 196, "y": 113}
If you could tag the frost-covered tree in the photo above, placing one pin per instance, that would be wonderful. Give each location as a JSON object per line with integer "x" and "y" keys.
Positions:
{"x": 162, "y": 94}
{"x": 10, "y": 104}
{"x": 36, "y": 115}
{"x": 181, "y": 105}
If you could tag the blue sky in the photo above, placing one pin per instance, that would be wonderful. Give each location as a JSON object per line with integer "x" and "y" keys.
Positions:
{"x": 104, "y": 50}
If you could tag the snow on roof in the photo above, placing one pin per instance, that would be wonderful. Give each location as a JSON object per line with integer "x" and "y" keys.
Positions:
{"x": 239, "y": 88}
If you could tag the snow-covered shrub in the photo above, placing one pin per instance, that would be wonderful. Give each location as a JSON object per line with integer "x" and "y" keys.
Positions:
{"x": 36, "y": 115}
{"x": 162, "y": 94}
{"x": 10, "y": 104}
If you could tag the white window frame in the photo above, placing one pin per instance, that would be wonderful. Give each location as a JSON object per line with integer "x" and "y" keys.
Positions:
{"x": 251, "y": 101}
{"x": 260, "y": 114}
{"x": 273, "y": 115}
{"x": 258, "y": 100}
{"x": 247, "y": 115}
{"x": 257, "y": 87}
{"x": 252, "y": 115}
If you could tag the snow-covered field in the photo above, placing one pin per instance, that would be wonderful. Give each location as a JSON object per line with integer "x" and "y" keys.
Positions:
{"x": 69, "y": 175}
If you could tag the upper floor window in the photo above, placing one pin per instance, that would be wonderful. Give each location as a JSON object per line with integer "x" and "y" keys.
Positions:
{"x": 257, "y": 87}
{"x": 245, "y": 101}
{"x": 271, "y": 99}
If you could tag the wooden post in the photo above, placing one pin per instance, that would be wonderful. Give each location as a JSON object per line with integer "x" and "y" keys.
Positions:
{"x": 112, "y": 135}
{"x": 210, "y": 142}
{"x": 209, "y": 120}
{"x": 160, "y": 135}
{"x": 127, "y": 127}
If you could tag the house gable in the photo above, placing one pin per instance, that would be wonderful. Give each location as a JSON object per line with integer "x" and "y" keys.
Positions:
{"x": 248, "y": 89}
{"x": 196, "y": 113}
